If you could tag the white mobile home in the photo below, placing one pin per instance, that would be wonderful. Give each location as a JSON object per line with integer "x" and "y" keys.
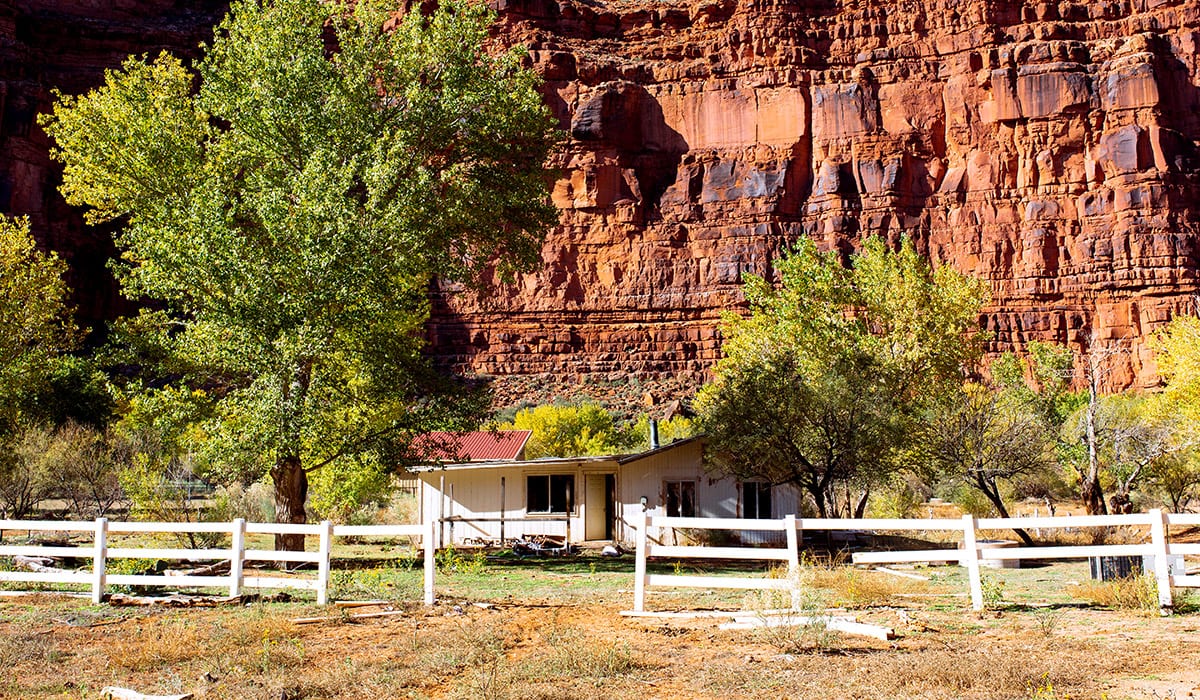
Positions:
{"x": 585, "y": 499}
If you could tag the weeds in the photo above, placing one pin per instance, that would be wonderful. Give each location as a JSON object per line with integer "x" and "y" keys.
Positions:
{"x": 393, "y": 582}
{"x": 993, "y": 591}
{"x": 451, "y": 560}
{"x": 573, "y": 655}
{"x": 28, "y": 648}
{"x": 1047, "y": 620}
{"x": 793, "y": 621}
{"x": 1138, "y": 593}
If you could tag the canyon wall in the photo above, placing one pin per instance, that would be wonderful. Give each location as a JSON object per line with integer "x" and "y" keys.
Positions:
{"x": 66, "y": 45}
{"x": 1047, "y": 147}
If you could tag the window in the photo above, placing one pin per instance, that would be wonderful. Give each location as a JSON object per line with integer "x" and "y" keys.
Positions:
{"x": 550, "y": 493}
{"x": 681, "y": 499}
{"x": 756, "y": 500}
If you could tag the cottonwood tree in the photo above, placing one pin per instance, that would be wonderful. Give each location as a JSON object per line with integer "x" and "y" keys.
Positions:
{"x": 288, "y": 201}
{"x": 821, "y": 385}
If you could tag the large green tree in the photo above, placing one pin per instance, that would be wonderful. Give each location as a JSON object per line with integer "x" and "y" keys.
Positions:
{"x": 821, "y": 384}
{"x": 289, "y": 199}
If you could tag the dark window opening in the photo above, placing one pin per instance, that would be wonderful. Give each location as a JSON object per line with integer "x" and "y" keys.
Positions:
{"x": 681, "y": 499}
{"x": 756, "y": 500}
{"x": 550, "y": 493}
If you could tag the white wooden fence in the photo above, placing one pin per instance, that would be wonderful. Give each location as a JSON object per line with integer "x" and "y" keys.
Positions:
{"x": 969, "y": 555}
{"x": 237, "y": 554}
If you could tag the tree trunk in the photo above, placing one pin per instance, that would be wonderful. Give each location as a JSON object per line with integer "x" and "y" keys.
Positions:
{"x": 291, "y": 492}
{"x": 1122, "y": 504}
{"x": 993, "y": 495}
{"x": 1093, "y": 497}
{"x": 860, "y": 510}
{"x": 1089, "y": 486}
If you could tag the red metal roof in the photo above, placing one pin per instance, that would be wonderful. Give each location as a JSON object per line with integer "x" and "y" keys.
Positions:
{"x": 474, "y": 446}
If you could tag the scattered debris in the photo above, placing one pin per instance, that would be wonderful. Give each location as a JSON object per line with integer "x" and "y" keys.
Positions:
{"x": 901, "y": 574}
{"x": 41, "y": 565}
{"x": 177, "y": 600}
{"x": 838, "y": 624}
{"x": 360, "y": 603}
{"x": 221, "y": 567}
{"x": 115, "y": 693}
{"x": 543, "y": 546}
{"x": 611, "y": 551}
{"x": 346, "y": 618}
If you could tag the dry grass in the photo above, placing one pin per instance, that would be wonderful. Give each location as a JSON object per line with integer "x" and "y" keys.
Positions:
{"x": 559, "y": 645}
{"x": 1134, "y": 593}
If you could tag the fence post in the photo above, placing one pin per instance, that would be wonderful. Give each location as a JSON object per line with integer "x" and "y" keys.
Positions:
{"x": 237, "y": 557}
{"x": 326, "y": 551}
{"x": 970, "y": 559}
{"x": 639, "y": 567}
{"x": 793, "y": 545}
{"x": 1162, "y": 567}
{"x": 430, "y": 561}
{"x": 100, "y": 561}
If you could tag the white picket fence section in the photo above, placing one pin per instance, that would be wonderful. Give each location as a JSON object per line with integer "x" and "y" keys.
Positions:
{"x": 969, "y": 555}
{"x": 237, "y": 554}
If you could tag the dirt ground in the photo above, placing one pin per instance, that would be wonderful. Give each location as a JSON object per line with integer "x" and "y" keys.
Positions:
{"x": 530, "y": 632}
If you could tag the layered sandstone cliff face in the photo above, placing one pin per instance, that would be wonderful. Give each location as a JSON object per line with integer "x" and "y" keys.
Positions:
{"x": 1049, "y": 148}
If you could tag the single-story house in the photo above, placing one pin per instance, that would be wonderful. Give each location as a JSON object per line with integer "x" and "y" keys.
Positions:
{"x": 585, "y": 499}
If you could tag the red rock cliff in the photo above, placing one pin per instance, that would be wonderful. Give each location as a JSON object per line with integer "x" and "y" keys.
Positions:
{"x": 1049, "y": 148}
{"x": 66, "y": 45}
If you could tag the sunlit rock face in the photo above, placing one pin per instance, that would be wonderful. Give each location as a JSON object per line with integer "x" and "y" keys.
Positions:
{"x": 1049, "y": 148}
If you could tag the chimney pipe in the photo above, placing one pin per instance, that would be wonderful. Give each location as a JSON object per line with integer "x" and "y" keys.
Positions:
{"x": 654, "y": 433}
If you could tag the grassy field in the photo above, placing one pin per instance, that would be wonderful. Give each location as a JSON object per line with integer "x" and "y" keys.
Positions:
{"x": 505, "y": 628}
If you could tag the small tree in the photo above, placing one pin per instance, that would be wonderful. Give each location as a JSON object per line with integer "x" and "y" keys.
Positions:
{"x": 26, "y": 478}
{"x": 822, "y": 383}
{"x": 985, "y": 438}
{"x": 84, "y": 470}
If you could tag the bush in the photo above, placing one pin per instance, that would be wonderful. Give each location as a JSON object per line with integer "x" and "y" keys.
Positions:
{"x": 339, "y": 489}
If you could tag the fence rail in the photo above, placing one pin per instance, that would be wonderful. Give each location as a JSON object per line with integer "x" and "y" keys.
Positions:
{"x": 972, "y": 552}
{"x": 237, "y": 554}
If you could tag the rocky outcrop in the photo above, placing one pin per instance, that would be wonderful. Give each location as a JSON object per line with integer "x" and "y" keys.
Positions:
{"x": 1049, "y": 148}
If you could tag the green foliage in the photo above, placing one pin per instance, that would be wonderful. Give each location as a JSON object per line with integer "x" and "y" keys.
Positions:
{"x": 1139, "y": 437}
{"x": 671, "y": 430}
{"x": 572, "y": 431}
{"x": 26, "y": 473}
{"x": 986, "y": 440}
{"x": 291, "y": 211}
{"x": 821, "y": 385}
{"x": 452, "y": 561}
{"x": 896, "y": 499}
{"x": 1177, "y": 352}
{"x": 35, "y": 321}
{"x": 993, "y": 591}
{"x": 1042, "y": 379}
{"x": 339, "y": 489}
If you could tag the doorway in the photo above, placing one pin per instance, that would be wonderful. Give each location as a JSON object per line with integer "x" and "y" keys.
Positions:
{"x": 600, "y": 497}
